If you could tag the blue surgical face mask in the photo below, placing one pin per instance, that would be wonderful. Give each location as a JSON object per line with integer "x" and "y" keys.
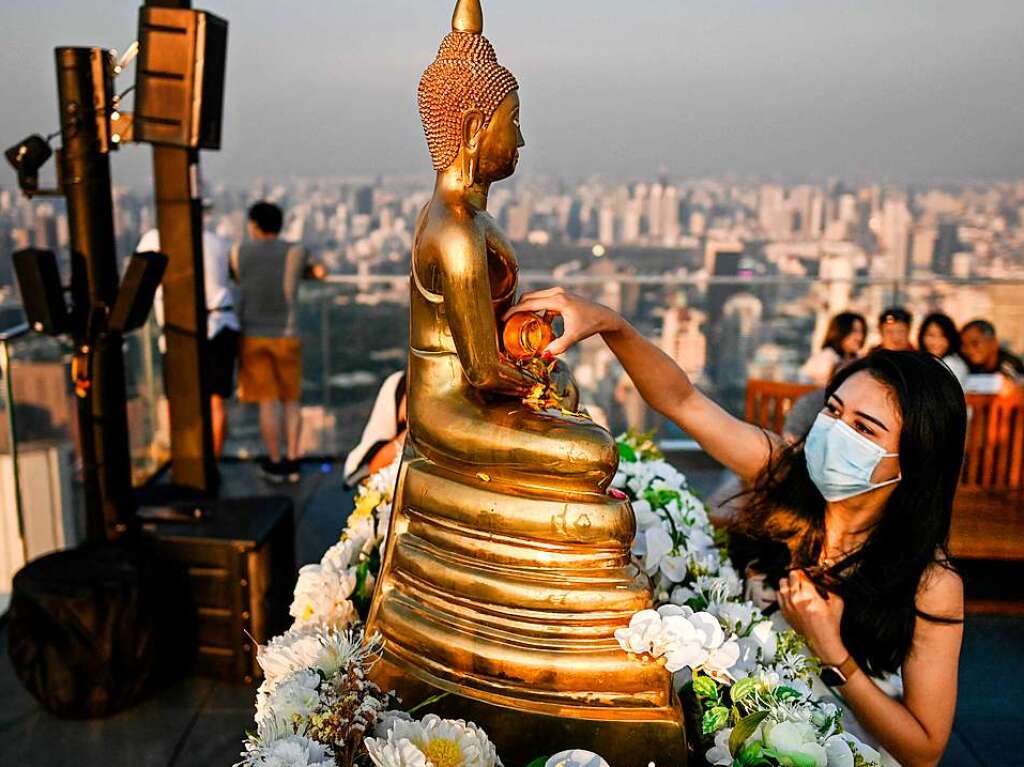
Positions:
{"x": 840, "y": 461}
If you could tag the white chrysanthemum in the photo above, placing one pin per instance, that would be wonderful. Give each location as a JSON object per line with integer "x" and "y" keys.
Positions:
{"x": 433, "y": 742}
{"x": 290, "y": 751}
{"x": 322, "y": 597}
{"x": 342, "y": 555}
{"x": 318, "y": 649}
{"x": 287, "y": 708}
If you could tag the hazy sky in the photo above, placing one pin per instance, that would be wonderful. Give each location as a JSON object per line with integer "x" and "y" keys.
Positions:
{"x": 857, "y": 88}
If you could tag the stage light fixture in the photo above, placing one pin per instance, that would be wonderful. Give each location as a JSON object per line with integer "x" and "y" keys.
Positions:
{"x": 27, "y": 157}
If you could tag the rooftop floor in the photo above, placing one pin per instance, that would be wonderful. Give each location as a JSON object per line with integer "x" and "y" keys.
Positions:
{"x": 201, "y": 722}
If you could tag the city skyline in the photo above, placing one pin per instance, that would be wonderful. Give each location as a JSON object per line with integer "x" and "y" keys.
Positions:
{"x": 786, "y": 90}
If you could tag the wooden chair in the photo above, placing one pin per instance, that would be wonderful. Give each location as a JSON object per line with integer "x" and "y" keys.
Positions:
{"x": 988, "y": 517}
{"x": 768, "y": 402}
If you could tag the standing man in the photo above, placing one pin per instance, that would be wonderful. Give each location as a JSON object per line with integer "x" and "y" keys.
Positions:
{"x": 222, "y": 326}
{"x": 268, "y": 271}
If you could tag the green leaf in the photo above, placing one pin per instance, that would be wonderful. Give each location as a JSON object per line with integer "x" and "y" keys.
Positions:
{"x": 743, "y": 688}
{"x": 752, "y": 755}
{"x": 627, "y": 453}
{"x": 705, "y": 687}
{"x": 715, "y": 719}
{"x": 540, "y": 761}
{"x": 786, "y": 693}
{"x": 744, "y": 730}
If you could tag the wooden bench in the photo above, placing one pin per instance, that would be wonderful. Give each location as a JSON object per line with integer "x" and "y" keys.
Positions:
{"x": 988, "y": 515}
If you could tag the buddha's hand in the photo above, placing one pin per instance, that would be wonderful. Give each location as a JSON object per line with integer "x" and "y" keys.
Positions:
{"x": 581, "y": 318}
{"x": 565, "y": 385}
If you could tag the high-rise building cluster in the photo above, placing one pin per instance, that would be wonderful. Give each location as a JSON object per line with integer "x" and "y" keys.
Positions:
{"x": 735, "y": 279}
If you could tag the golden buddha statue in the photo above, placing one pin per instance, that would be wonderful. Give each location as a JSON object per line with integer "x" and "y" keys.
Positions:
{"x": 506, "y": 569}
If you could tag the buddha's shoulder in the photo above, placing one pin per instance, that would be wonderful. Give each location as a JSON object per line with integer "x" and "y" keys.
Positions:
{"x": 446, "y": 225}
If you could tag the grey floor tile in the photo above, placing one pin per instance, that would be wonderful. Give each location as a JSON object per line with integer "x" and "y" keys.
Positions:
{"x": 957, "y": 754}
{"x": 998, "y": 741}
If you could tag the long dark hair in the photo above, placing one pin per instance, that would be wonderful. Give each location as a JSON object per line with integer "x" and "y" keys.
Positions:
{"x": 879, "y": 581}
{"x": 842, "y": 325}
{"x": 948, "y": 328}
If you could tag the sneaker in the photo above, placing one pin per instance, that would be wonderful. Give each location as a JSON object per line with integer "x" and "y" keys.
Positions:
{"x": 274, "y": 472}
{"x": 292, "y": 470}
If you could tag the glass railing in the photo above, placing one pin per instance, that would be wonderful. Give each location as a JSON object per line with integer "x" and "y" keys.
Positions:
{"x": 722, "y": 330}
{"x": 41, "y": 491}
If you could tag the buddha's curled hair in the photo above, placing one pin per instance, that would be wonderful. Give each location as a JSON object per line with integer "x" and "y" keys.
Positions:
{"x": 465, "y": 75}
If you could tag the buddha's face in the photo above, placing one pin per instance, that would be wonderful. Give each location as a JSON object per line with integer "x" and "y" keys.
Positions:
{"x": 500, "y": 141}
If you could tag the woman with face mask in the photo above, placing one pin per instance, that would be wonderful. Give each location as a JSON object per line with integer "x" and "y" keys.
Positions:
{"x": 850, "y": 524}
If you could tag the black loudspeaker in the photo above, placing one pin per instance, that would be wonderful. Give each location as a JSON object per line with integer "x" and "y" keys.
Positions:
{"x": 42, "y": 295}
{"x": 138, "y": 286}
{"x": 179, "y": 77}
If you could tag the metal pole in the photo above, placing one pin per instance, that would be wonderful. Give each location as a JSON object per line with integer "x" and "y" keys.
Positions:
{"x": 84, "y": 77}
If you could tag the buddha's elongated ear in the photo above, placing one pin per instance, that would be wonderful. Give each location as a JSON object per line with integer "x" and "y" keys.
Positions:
{"x": 472, "y": 127}
{"x": 468, "y": 17}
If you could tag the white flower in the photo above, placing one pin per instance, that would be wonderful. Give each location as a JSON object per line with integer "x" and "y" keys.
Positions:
{"x": 576, "y": 758}
{"x": 838, "y": 752}
{"x": 685, "y": 639}
{"x": 719, "y": 754}
{"x": 318, "y": 649}
{"x": 322, "y": 597}
{"x": 790, "y": 738}
{"x": 652, "y": 546}
{"x": 856, "y": 747}
{"x": 433, "y": 742}
{"x": 288, "y": 706}
{"x": 644, "y": 629}
{"x": 387, "y": 720}
{"x": 736, "y": 616}
{"x": 681, "y": 595}
{"x": 645, "y": 515}
{"x": 674, "y": 568}
{"x": 290, "y": 751}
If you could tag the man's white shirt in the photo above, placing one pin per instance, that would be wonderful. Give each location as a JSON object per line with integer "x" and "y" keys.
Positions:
{"x": 220, "y": 294}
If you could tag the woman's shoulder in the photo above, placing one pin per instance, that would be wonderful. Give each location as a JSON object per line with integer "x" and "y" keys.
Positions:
{"x": 941, "y": 591}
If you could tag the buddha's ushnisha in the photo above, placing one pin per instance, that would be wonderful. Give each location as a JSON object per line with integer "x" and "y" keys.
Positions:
{"x": 465, "y": 75}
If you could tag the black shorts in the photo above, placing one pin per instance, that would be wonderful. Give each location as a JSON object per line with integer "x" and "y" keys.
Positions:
{"x": 223, "y": 351}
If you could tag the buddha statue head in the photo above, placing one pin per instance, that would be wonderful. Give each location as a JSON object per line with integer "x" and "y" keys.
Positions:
{"x": 469, "y": 104}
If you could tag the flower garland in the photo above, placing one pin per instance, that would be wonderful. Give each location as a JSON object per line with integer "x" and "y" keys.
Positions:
{"x": 749, "y": 681}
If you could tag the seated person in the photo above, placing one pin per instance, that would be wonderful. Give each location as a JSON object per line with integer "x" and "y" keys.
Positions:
{"x": 939, "y": 337}
{"x": 894, "y": 330}
{"x": 844, "y": 340}
{"x": 384, "y": 432}
{"x": 983, "y": 355}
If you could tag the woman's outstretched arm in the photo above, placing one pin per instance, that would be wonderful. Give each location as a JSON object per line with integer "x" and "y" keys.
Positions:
{"x": 741, "y": 447}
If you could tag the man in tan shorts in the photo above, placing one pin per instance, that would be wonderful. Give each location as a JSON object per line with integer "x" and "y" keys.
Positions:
{"x": 268, "y": 271}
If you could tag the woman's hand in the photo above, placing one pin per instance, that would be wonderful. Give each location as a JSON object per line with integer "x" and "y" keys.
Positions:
{"x": 580, "y": 318}
{"x": 813, "y": 616}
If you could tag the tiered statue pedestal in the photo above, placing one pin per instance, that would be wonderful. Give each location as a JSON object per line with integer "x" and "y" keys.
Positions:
{"x": 507, "y": 597}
